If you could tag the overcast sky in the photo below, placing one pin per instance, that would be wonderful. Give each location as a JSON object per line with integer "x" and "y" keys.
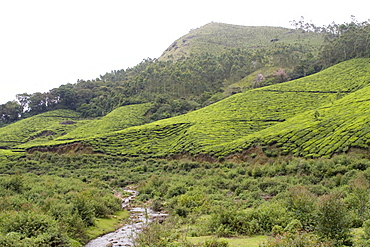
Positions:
{"x": 47, "y": 43}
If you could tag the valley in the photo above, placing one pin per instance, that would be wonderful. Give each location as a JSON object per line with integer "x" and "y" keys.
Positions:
{"x": 242, "y": 141}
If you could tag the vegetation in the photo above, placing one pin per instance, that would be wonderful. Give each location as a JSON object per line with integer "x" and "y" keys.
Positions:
{"x": 285, "y": 118}
{"x": 176, "y": 86}
{"x": 215, "y": 38}
{"x": 287, "y": 200}
{"x": 50, "y": 210}
{"x": 261, "y": 139}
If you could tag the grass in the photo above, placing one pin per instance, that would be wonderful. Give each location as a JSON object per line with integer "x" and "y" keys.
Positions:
{"x": 253, "y": 241}
{"x": 106, "y": 225}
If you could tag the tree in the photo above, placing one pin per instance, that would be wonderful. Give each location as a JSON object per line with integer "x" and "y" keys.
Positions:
{"x": 332, "y": 218}
{"x": 10, "y": 112}
{"x": 302, "y": 203}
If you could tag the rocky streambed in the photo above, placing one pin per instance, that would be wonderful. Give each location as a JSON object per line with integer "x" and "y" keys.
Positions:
{"x": 139, "y": 218}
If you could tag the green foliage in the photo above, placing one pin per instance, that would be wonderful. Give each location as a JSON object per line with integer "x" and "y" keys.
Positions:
{"x": 39, "y": 128}
{"x": 215, "y": 243}
{"x": 303, "y": 204}
{"x": 280, "y": 114}
{"x": 229, "y": 198}
{"x": 158, "y": 235}
{"x": 30, "y": 229}
{"x": 262, "y": 220}
{"x": 48, "y": 210}
{"x": 118, "y": 119}
{"x": 297, "y": 239}
{"x": 332, "y": 220}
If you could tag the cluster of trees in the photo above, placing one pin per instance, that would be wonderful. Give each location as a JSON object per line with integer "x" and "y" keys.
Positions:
{"x": 342, "y": 42}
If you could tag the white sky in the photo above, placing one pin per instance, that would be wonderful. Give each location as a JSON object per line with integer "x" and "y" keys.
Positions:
{"x": 47, "y": 43}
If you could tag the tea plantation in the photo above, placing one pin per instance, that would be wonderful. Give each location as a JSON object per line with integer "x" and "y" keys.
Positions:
{"x": 317, "y": 115}
{"x": 295, "y": 115}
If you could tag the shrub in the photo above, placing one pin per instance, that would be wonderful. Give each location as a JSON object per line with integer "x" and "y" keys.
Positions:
{"x": 160, "y": 235}
{"x": 294, "y": 226}
{"x": 298, "y": 239}
{"x": 228, "y": 222}
{"x": 30, "y": 229}
{"x": 215, "y": 243}
{"x": 302, "y": 203}
{"x": 332, "y": 219}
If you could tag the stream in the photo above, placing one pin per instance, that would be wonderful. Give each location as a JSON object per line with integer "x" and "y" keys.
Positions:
{"x": 124, "y": 236}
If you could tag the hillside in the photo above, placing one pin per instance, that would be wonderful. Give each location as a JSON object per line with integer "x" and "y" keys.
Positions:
{"x": 221, "y": 55}
{"x": 67, "y": 125}
{"x": 38, "y": 128}
{"x": 288, "y": 114}
{"x": 215, "y": 38}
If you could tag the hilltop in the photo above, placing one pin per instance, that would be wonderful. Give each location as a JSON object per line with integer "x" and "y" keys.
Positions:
{"x": 215, "y": 38}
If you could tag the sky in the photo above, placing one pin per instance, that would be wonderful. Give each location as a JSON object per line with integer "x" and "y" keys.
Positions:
{"x": 47, "y": 43}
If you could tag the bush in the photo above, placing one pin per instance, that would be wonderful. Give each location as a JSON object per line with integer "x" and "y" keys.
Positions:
{"x": 302, "y": 203}
{"x": 30, "y": 229}
{"x": 301, "y": 239}
{"x": 215, "y": 243}
{"x": 160, "y": 235}
{"x": 294, "y": 226}
{"x": 332, "y": 219}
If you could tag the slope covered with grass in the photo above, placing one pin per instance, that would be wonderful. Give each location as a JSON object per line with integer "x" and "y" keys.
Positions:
{"x": 332, "y": 128}
{"x": 249, "y": 118}
{"x": 38, "y": 128}
{"x": 120, "y": 118}
{"x": 311, "y": 116}
{"x": 216, "y": 37}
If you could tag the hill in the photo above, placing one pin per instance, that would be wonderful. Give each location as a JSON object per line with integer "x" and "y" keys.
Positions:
{"x": 293, "y": 115}
{"x": 221, "y": 55}
{"x": 215, "y": 38}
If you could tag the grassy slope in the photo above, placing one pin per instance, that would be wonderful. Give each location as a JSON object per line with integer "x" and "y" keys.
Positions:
{"x": 312, "y": 116}
{"x": 120, "y": 118}
{"x": 250, "y": 117}
{"x": 34, "y": 129}
{"x": 215, "y": 37}
{"x": 338, "y": 126}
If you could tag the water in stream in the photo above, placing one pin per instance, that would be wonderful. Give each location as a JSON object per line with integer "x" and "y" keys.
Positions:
{"x": 124, "y": 236}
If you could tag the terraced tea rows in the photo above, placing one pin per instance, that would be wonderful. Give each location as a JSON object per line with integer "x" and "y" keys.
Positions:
{"x": 38, "y": 129}
{"x": 212, "y": 129}
{"x": 310, "y": 116}
{"x": 322, "y": 132}
{"x": 120, "y": 118}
